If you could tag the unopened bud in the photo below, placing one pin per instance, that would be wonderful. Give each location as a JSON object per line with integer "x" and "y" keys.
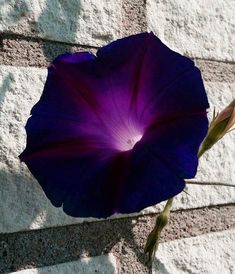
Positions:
{"x": 154, "y": 237}
{"x": 218, "y": 127}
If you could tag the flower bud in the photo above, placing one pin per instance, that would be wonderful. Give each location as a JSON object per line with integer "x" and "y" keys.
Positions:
{"x": 154, "y": 237}
{"x": 218, "y": 127}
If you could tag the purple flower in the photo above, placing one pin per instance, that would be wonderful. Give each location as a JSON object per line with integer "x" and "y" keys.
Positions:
{"x": 119, "y": 131}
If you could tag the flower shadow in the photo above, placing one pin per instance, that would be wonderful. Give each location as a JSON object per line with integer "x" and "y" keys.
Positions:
{"x": 25, "y": 204}
{"x": 57, "y": 22}
{"x": 38, "y": 248}
{"x": 159, "y": 267}
{"x": 13, "y": 13}
{"x": 25, "y": 207}
{"x": 5, "y": 85}
{"x": 100, "y": 264}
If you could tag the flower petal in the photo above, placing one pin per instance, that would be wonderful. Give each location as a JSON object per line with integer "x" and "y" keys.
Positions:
{"x": 177, "y": 142}
{"x": 161, "y": 83}
{"x": 61, "y": 98}
{"x": 149, "y": 181}
{"x": 94, "y": 185}
{"x": 71, "y": 169}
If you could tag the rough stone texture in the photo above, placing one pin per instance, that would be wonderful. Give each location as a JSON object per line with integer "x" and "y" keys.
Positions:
{"x": 18, "y": 51}
{"x": 124, "y": 238}
{"x": 223, "y": 168}
{"x": 23, "y": 203}
{"x": 19, "y": 91}
{"x": 215, "y": 71}
{"x": 134, "y": 17}
{"x": 203, "y": 29}
{"x": 210, "y": 253}
{"x": 86, "y": 22}
{"x": 102, "y": 264}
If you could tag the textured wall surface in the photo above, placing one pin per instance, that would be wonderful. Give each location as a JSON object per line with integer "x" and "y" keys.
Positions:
{"x": 35, "y": 237}
{"x": 195, "y": 28}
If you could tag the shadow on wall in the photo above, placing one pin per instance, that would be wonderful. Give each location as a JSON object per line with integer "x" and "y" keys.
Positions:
{"x": 24, "y": 207}
{"x": 12, "y": 12}
{"x": 45, "y": 247}
{"x": 95, "y": 265}
{"x": 60, "y": 244}
{"x": 22, "y": 198}
{"x": 5, "y": 84}
{"x": 159, "y": 267}
{"x": 58, "y": 20}
{"x": 21, "y": 201}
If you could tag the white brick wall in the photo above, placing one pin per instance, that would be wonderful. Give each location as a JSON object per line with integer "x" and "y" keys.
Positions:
{"x": 203, "y": 29}
{"x": 208, "y": 254}
{"x": 31, "y": 209}
{"x": 86, "y": 22}
{"x": 218, "y": 164}
{"x": 105, "y": 264}
{"x": 200, "y": 29}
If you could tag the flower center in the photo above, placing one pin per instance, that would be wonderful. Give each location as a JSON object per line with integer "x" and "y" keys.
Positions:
{"x": 127, "y": 142}
{"x": 131, "y": 142}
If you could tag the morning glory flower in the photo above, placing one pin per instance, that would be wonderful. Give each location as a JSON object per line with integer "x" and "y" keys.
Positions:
{"x": 118, "y": 131}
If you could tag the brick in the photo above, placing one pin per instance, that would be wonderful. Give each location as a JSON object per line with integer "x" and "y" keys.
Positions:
{"x": 23, "y": 203}
{"x": 218, "y": 164}
{"x": 86, "y": 22}
{"x": 104, "y": 264}
{"x": 209, "y": 253}
{"x": 203, "y": 29}
{"x": 21, "y": 250}
{"x": 18, "y": 51}
{"x": 133, "y": 17}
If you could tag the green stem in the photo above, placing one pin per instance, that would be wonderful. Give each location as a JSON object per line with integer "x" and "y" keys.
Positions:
{"x": 210, "y": 184}
{"x": 168, "y": 206}
{"x": 161, "y": 221}
{"x": 154, "y": 236}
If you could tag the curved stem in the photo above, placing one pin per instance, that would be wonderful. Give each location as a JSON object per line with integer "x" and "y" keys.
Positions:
{"x": 210, "y": 183}
{"x": 162, "y": 220}
{"x": 154, "y": 236}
